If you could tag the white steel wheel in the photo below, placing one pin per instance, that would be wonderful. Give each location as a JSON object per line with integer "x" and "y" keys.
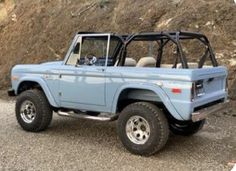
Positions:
{"x": 27, "y": 111}
{"x": 137, "y": 129}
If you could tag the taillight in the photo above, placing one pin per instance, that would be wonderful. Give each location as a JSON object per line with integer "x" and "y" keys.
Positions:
{"x": 199, "y": 84}
{"x": 226, "y": 85}
{"x": 197, "y": 89}
{"x": 193, "y": 91}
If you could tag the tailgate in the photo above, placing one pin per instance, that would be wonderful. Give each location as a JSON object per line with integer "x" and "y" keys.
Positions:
{"x": 209, "y": 85}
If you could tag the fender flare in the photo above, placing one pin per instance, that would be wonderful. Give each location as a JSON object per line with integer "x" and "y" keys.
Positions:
{"x": 43, "y": 85}
{"x": 152, "y": 87}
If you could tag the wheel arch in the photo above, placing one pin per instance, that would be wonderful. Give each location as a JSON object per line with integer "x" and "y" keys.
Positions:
{"x": 32, "y": 83}
{"x": 149, "y": 93}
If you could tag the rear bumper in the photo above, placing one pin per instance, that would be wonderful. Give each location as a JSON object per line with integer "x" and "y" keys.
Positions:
{"x": 11, "y": 92}
{"x": 203, "y": 113}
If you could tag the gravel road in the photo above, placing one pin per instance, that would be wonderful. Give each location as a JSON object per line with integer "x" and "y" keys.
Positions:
{"x": 70, "y": 144}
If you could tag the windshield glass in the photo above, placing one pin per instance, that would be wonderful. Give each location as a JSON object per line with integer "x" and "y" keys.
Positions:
{"x": 97, "y": 47}
{"x": 92, "y": 50}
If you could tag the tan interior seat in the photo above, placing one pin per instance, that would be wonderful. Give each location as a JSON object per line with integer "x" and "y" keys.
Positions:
{"x": 166, "y": 66}
{"x": 146, "y": 62}
{"x": 191, "y": 65}
{"x": 207, "y": 66}
{"x": 128, "y": 62}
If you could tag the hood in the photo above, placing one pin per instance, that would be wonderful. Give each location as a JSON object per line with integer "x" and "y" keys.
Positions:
{"x": 31, "y": 68}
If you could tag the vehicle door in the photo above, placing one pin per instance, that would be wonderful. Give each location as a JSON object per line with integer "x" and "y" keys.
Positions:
{"x": 82, "y": 78}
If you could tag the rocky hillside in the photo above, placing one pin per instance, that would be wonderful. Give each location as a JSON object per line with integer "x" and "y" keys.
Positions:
{"x": 41, "y": 30}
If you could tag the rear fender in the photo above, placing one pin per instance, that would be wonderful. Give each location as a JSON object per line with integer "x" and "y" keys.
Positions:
{"x": 154, "y": 88}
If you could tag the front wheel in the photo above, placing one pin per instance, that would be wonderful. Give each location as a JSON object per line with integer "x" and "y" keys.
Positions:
{"x": 33, "y": 111}
{"x": 142, "y": 128}
{"x": 186, "y": 128}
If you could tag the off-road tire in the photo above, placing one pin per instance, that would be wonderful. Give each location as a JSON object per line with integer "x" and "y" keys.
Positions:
{"x": 186, "y": 128}
{"x": 159, "y": 130}
{"x": 43, "y": 112}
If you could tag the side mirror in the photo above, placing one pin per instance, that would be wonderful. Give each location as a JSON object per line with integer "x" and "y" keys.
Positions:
{"x": 76, "y": 48}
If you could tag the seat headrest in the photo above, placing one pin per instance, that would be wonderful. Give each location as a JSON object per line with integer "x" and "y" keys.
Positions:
{"x": 146, "y": 62}
{"x": 130, "y": 62}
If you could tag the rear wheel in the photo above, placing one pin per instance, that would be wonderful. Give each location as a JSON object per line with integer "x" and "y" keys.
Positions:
{"x": 33, "y": 111}
{"x": 142, "y": 128}
{"x": 186, "y": 128}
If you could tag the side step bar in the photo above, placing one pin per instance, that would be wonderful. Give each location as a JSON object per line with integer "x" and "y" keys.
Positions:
{"x": 85, "y": 116}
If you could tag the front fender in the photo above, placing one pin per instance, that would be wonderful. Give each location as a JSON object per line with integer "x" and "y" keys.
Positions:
{"x": 152, "y": 87}
{"x": 43, "y": 85}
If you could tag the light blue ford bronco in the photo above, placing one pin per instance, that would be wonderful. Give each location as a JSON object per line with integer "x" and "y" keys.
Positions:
{"x": 149, "y": 82}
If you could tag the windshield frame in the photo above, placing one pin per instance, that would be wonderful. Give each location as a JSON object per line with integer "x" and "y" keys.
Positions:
{"x": 78, "y": 39}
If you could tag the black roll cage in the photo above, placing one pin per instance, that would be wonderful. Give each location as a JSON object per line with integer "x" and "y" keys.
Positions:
{"x": 163, "y": 38}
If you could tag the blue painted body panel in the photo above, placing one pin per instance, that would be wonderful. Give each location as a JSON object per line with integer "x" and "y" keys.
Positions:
{"x": 97, "y": 88}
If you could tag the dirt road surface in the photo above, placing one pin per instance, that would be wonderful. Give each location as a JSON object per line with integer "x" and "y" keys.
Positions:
{"x": 70, "y": 144}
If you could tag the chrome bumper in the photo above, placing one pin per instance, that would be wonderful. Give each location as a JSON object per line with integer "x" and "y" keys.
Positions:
{"x": 203, "y": 113}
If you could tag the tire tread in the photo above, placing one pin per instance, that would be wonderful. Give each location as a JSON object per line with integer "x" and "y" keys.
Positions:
{"x": 159, "y": 117}
{"x": 44, "y": 105}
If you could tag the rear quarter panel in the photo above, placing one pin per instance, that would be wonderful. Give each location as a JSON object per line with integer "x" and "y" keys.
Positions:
{"x": 162, "y": 81}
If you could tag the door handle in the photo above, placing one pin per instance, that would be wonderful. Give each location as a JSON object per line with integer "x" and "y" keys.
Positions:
{"x": 100, "y": 69}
